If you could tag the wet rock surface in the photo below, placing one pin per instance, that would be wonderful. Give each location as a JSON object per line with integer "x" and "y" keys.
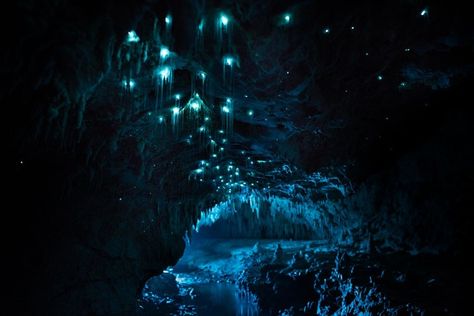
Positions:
{"x": 309, "y": 279}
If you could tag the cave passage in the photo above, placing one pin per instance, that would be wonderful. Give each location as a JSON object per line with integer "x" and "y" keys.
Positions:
{"x": 245, "y": 271}
{"x": 211, "y": 276}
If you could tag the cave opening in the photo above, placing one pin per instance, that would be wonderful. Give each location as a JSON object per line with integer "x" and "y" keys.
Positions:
{"x": 209, "y": 279}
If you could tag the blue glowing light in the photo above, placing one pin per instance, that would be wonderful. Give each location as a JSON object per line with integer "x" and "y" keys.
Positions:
{"x": 224, "y": 19}
{"x": 225, "y": 109}
{"x": 164, "y": 52}
{"x": 202, "y": 75}
{"x": 129, "y": 83}
{"x": 165, "y": 73}
{"x": 229, "y": 61}
{"x": 168, "y": 19}
{"x": 250, "y": 112}
{"x": 161, "y": 119}
{"x": 177, "y": 96}
{"x": 379, "y": 77}
{"x": 327, "y": 30}
{"x": 195, "y": 106}
{"x": 175, "y": 110}
{"x": 201, "y": 26}
{"x": 424, "y": 12}
{"x": 132, "y": 37}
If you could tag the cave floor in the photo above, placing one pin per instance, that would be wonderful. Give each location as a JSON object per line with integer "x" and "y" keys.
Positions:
{"x": 252, "y": 277}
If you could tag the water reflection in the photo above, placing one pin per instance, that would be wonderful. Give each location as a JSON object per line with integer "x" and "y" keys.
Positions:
{"x": 177, "y": 294}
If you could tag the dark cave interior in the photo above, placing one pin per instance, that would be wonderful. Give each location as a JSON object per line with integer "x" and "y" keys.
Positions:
{"x": 244, "y": 157}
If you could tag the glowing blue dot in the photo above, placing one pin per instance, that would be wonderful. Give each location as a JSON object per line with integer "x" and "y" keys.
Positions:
{"x": 164, "y": 52}
{"x": 326, "y": 30}
{"x": 229, "y": 61}
{"x": 132, "y": 37}
{"x": 129, "y": 83}
{"x": 195, "y": 106}
{"x": 168, "y": 19}
{"x": 165, "y": 73}
{"x": 379, "y": 77}
{"x": 161, "y": 119}
{"x": 177, "y": 97}
{"x": 424, "y": 12}
{"x": 224, "y": 20}
{"x": 287, "y": 18}
{"x": 175, "y": 110}
{"x": 201, "y": 26}
{"x": 250, "y": 112}
{"x": 352, "y": 27}
{"x": 199, "y": 170}
{"x": 202, "y": 74}
{"x": 225, "y": 109}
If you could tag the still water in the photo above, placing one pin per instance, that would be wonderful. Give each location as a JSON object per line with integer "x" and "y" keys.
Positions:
{"x": 174, "y": 294}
